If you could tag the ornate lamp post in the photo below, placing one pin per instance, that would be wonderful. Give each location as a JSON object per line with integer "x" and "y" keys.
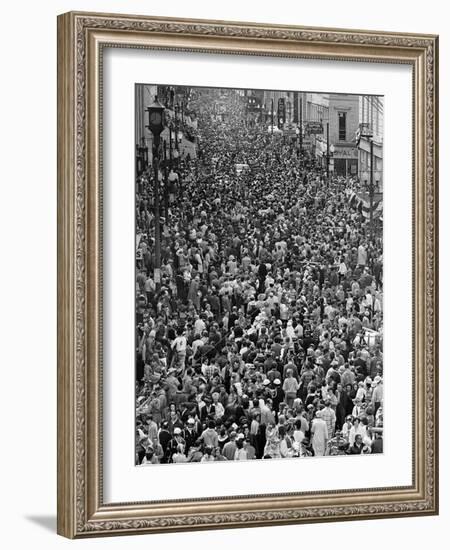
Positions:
{"x": 156, "y": 126}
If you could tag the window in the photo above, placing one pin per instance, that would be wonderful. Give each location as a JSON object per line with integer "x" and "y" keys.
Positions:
{"x": 342, "y": 118}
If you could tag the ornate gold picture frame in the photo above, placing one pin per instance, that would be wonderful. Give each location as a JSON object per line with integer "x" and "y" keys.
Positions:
{"x": 81, "y": 40}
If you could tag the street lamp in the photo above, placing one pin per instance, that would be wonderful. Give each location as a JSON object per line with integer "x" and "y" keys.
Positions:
{"x": 156, "y": 118}
{"x": 365, "y": 177}
{"x": 377, "y": 177}
{"x": 156, "y": 126}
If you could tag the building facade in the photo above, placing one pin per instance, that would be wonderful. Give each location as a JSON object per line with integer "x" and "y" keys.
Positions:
{"x": 182, "y": 135}
{"x": 343, "y": 123}
{"x": 331, "y": 129}
{"x": 314, "y": 124}
{"x": 371, "y": 132}
{"x": 145, "y": 96}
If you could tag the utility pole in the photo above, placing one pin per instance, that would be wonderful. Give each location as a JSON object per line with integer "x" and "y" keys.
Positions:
{"x": 328, "y": 153}
{"x": 157, "y": 213}
{"x": 166, "y": 185}
{"x": 301, "y": 124}
{"x": 177, "y": 115}
{"x": 271, "y": 111}
{"x": 371, "y": 189}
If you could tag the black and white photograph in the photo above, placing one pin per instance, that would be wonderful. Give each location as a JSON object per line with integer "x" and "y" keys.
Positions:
{"x": 259, "y": 274}
{"x": 231, "y": 218}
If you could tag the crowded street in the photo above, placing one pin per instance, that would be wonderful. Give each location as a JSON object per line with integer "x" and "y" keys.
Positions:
{"x": 259, "y": 296}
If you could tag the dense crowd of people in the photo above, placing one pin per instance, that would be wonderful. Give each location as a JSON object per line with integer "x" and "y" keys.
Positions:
{"x": 263, "y": 337}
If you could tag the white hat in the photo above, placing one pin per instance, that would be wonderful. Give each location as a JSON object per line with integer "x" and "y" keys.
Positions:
{"x": 277, "y": 381}
{"x": 266, "y": 382}
{"x": 177, "y": 431}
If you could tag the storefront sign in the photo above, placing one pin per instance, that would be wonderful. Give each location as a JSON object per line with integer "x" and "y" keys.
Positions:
{"x": 346, "y": 152}
{"x": 314, "y": 128}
